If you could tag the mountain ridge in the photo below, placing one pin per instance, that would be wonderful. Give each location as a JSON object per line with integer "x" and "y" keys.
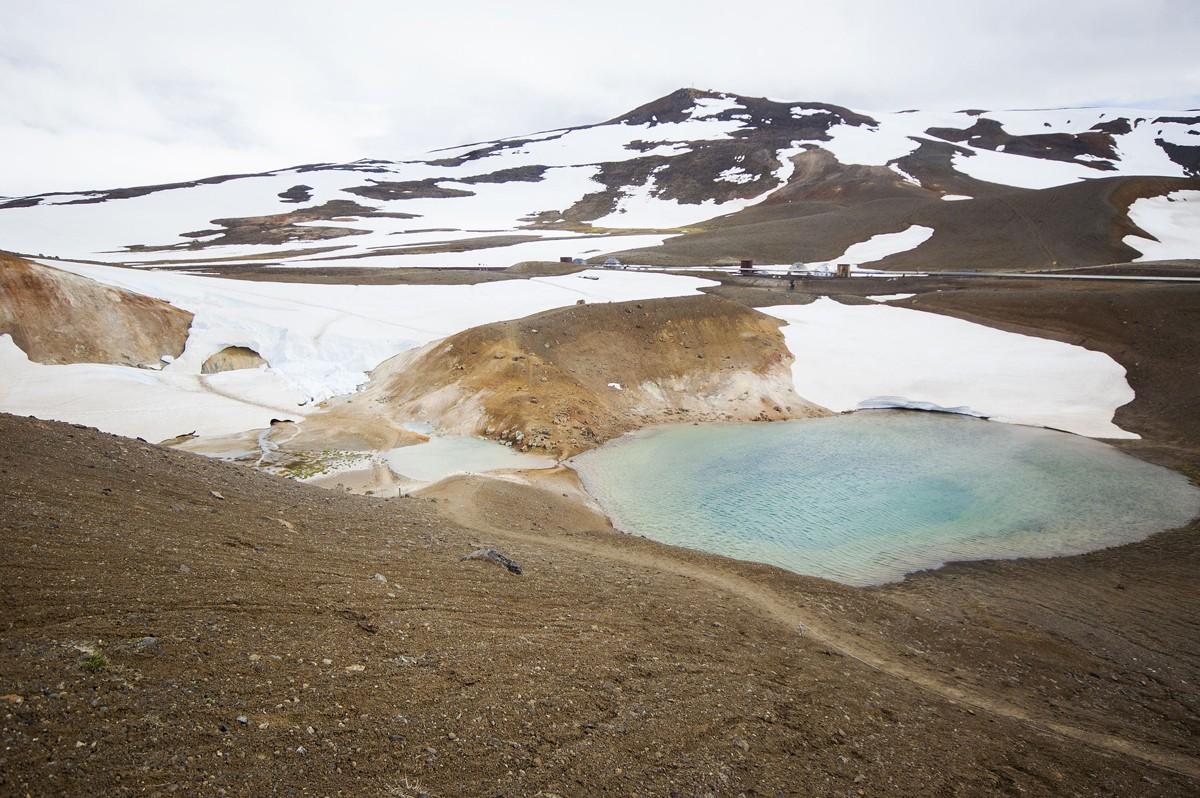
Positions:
{"x": 646, "y": 183}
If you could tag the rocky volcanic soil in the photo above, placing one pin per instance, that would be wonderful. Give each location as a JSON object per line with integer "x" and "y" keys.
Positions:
{"x": 178, "y": 625}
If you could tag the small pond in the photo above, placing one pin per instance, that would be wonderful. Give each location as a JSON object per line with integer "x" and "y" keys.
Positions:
{"x": 867, "y": 497}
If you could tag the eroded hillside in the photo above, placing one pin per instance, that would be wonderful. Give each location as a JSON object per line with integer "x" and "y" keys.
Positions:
{"x": 57, "y": 317}
{"x": 569, "y": 379}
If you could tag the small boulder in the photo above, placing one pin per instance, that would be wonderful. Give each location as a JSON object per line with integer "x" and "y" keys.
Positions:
{"x": 147, "y": 645}
{"x": 491, "y": 555}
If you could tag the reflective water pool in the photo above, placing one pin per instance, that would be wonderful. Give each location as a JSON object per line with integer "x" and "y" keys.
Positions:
{"x": 868, "y": 497}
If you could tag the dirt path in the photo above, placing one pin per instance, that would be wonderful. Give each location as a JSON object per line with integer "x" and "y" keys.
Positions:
{"x": 467, "y": 509}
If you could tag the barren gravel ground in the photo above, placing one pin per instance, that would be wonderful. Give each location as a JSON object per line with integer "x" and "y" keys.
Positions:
{"x": 171, "y": 624}
{"x": 250, "y": 645}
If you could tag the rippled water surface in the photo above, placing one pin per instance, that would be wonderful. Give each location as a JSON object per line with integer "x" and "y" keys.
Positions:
{"x": 868, "y": 497}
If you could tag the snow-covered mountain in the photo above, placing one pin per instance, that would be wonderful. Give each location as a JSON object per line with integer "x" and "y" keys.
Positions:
{"x": 694, "y": 177}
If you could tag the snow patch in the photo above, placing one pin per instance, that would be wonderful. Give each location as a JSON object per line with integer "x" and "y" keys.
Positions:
{"x": 883, "y": 245}
{"x": 849, "y": 357}
{"x": 706, "y": 107}
{"x": 154, "y": 405}
{"x": 736, "y": 174}
{"x": 1173, "y": 219}
{"x": 905, "y": 176}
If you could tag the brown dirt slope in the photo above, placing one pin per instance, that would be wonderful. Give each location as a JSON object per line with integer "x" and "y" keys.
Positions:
{"x": 59, "y": 317}
{"x": 178, "y": 625}
{"x": 550, "y": 381}
{"x": 826, "y": 207}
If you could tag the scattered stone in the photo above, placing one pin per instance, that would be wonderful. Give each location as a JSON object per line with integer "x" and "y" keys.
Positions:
{"x": 12, "y": 698}
{"x": 360, "y": 620}
{"x": 355, "y": 668}
{"x": 301, "y": 750}
{"x": 741, "y": 744}
{"x": 216, "y": 495}
{"x": 184, "y": 569}
{"x": 147, "y": 645}
{"x": 380, "y": 578}
{"x": 491, "y": 555}
{"x": 242, "y": 719}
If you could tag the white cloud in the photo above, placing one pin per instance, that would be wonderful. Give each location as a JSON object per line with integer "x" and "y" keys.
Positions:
{"x": 96, "y": 94}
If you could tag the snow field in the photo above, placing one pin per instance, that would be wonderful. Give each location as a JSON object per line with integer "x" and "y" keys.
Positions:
{"x": 849, "y": 357}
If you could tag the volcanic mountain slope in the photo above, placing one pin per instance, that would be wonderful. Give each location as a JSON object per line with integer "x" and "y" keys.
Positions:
{"x": 715, "y": 176}
{"x": 58, "y": 317}
{"x": 567, "y": 380}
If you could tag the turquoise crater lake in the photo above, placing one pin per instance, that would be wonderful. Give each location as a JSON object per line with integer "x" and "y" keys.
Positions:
{"x": 868, "y": 497}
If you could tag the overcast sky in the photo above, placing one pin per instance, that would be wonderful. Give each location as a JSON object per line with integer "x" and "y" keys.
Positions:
{"x": 100, "y": 93}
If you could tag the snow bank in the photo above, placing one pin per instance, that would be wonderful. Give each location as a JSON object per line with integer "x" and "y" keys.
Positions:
{"x": 1174, "y": 219}
{"x": 320, "y": 341}
{"x": 850, "y": 357}
{"x": 324, "y": 338}
{"x": 154, "y": 405}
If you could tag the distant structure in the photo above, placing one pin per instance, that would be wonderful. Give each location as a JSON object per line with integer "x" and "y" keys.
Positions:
{"x": 613, "y": 263}
{"x": 811, "y": 269}
{"x": 820, "y": 269}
